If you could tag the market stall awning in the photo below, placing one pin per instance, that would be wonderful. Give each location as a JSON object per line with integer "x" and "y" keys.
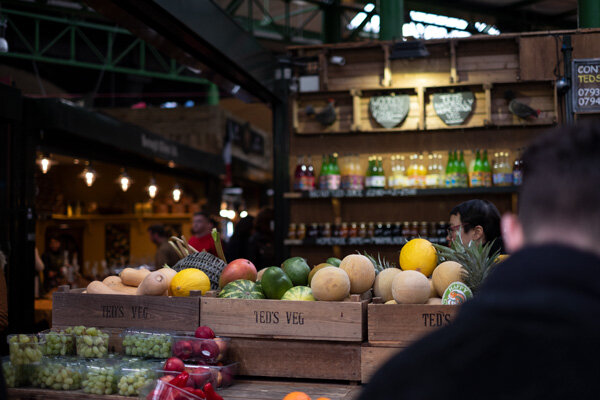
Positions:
{"x": 77, "y": 131}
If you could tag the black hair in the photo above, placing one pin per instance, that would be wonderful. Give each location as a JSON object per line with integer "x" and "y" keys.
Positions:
{"x": 561, "y": 172}
{"x": 484, "y": 213}
{"x": 203, "y": 214}
{"x": 158, "y": 229}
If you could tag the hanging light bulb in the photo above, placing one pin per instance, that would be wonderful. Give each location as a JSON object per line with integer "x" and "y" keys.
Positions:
{"x": 89, "y": 176}
{"x": 176, "y": 193}
{"x": 152, "y": 188}
{"x": 45, "y": 163}
{"x": 124, "y": 180}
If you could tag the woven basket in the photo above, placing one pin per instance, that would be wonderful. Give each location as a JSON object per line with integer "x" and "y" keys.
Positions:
{"x": 212, "y": 266}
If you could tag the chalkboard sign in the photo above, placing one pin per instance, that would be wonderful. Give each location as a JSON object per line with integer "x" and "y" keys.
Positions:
{"x": 586, "y": 85}
{"x": 453, "y": 108}
{"x": 389, "y": 111}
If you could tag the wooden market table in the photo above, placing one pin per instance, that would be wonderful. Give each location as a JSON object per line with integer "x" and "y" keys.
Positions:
{"x": 243, "y": 389}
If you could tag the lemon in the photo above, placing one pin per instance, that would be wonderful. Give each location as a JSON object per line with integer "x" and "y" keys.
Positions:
{"x": 418, "y": 255}
{"x": 189, "y": 279}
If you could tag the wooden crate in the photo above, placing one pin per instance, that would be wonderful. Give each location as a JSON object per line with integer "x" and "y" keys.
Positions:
{"x": 399, "y": 325}
{"x": 297, "y": 359}
{"x": 125, "y": 311}
{"x": 343, "y": 321}
{"x": 374, "y": 357}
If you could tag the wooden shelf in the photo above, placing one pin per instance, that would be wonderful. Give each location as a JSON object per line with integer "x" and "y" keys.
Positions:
{"x": 380, "y": 193}
{"x": 120, "y": 217}
{"x": 377, "y": 241}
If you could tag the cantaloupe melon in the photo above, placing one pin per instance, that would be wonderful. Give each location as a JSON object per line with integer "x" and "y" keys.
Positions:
{"x": 317, "y": 268}
{"x": 361, "y": 272}
{"x": 392, "y": 301}
{"x": 410, "y": 287}
{"x": 330, "y": 284}
{"x": 434, "y": 301}
{"x": 432, "y": 291}
{"x": 383, "y": 283}
{"x": 446, "y": 273}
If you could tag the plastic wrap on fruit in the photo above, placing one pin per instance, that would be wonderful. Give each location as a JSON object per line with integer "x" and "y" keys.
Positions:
{"x": 210, "y": 393}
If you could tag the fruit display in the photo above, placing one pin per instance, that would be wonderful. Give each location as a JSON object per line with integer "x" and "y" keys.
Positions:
{"x": 241, "y": 289}
{"x": 135, "y": 375}
{"x": 220, "y": 375}
{"x": 132, "y": 281}
{"x": 361, "y": 272}
{"x": 418, "y": 255}
{"x": 161, "y": 390}
{"x": 236, "y": 270}
{"x": 146, "y": 344}
{"x": 25, "y": 349}
{"x": 189, "y": 279}
{"x": 57, "y": 373}
{"x": 13, "y": 374}
{"x": 330, "y": 284}
{"x": 444, "y": 274}
{"x": 58, "y": 342}
{"x": 297, "y": 270}
{"x": 410, "y": 287}
{"x": 208, "y": 351}
{"x": 383, "y": 283}
{"x": 91, "y": 342}
{"x": 100, "y": 377}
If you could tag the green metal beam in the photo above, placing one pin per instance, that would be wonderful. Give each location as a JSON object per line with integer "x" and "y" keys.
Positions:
{"x": 589, "y": 14}
{"x": 359, "y": 28}
{"x": 391, "y": 16}
{"x": 233, "y": 6}
{"x": 109, "y": 60}
{"x": 277, "y": 29}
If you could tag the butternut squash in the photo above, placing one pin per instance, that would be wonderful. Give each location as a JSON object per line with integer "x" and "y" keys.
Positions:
{"x": 169, "y": 273}
{"x": 97, "y": 287}
{"x": 133, "y": 277}
{"x": 115, "y": 283}
{"x": 155, "y": 284}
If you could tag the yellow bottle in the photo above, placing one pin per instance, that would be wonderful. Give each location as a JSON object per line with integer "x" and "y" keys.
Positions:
{"x": 421, "y": 172}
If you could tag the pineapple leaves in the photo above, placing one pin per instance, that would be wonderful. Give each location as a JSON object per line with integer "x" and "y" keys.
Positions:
{"x": 380, "y": 264}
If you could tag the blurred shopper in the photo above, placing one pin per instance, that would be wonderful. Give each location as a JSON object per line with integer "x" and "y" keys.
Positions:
{"x": 261, "y": 243}
{"x": 238, "y": 245}
{"x": 477, "y": 221}
{"x": 532, "y": 330}
{"x": 202, "y": 225}
{"x": 165, "y": 254}
{"x": 54, "y": 260}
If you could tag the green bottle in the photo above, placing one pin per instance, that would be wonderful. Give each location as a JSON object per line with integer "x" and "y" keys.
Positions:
{"x": 369, "y": 174}
{"x": 380, "y": 180}
{"x": 455, "y": 169}
{"x": 448, "y": 178}
{"x": 462, "y": 170}
{"x": 335, "y": 176}
{"x": 324, "y": 172}
{"x": 476, "y": 176}
{"x": 487, "y": 170}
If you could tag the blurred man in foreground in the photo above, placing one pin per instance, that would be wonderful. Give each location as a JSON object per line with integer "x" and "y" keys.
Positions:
{"x": 532, "y": 330}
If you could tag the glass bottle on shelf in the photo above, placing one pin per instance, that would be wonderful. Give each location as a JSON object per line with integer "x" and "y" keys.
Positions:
{"x": 463, "y": 173}
{"x": 371, "y": 229}
{"x": 299, "y": 174}
{"x": 476, "y": 174}
{"x": 324, "y": 172}
{"x": 486, "y": 170}
{"x": 432, "y": 180}
{"x": 517, "y": 171}
{"x": 421, "y": 173}
{"x": 380, "y": 181}
{"x": 449, "y": 167}
{"x": 369, "y": 174}
{"x": 334, "y": 178}
{"x": 292, "y": 231}
{"x": 401, "y": 181}
{"x": 301, "y": 232}
{"x": 362, "y": 230}
{"x": 391, "y": 183}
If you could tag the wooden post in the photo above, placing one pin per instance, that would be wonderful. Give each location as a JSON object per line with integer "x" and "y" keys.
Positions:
{"x": 421, "y": 100}
{"x": 386, "y": 81}
{"x": 488, "y": 104}
{"x": 323, "y": 84}
{"x": 355, "y": 109}
{"x": 295, "y": 115}
{"x": 453, "y": 69}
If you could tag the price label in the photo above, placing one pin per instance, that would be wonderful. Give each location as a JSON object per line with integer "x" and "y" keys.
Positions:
{"x": 586, "y": 85}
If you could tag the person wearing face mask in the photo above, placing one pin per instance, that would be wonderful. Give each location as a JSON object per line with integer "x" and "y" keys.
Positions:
{"x": 476, "y": 221}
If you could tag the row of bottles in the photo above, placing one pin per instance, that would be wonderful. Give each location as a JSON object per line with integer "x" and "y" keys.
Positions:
{"x": 416, "y": 171}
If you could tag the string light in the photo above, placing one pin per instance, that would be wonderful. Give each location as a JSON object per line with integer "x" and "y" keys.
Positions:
{"x": 176, "y": 193}
{"x": 152, "y": 188}
{"x": 45, "y": 164}
{"x": 244, "y": 214}
{"x": 124, "y": 180}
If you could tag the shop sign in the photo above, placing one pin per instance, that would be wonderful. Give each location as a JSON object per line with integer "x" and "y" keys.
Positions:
{"x": 159, "y": 146}
{"x": 586, "y": 85}
{"x": 389, "y": 111}
{"x": 453, "y": 108}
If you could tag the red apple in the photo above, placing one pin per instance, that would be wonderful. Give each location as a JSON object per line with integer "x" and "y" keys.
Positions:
{"x": 183, "y": 349}
{"x": 222, "y": 348}
{"x": 200, "y": 378}
{"x": 174, "y": 364}
{"x": 210, "y": 350}
{"x": 197, "y": 348}
{"x": 237, "y": 269}
{"x": 204, "y": 332}
{"x": 226, "y": 377}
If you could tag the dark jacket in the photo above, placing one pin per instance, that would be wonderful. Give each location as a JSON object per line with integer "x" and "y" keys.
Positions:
{"x": 532, "y": 332}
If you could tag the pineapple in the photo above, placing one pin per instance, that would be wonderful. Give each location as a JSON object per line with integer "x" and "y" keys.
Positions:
{"x": 380, "y": 264}
{"x": 475, "y": 259}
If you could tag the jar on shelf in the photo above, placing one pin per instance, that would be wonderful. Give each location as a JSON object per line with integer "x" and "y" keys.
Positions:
{"x": 433, "y": 232}
{"x": 397, "y": 229}
{"x": 414, "y": 230}
{"x": 313, "y": 230}
{"x": 326, "y": 232}
{"x": 423, "y": 231}
{"x": 362, "y": 230}
{"x": 405, "y": 230}
{"x": 371, "y": 229}
{"x": 353, "y": 231}
{"x": 387, "y": 229}
{"x": 344, "y": 230}
{"x": 301, "y": 232}
{"x": 378, "y": 229}
{"x": 292, "y": 231}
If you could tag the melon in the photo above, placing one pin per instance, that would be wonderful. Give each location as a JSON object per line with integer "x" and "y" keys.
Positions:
{"x": 432, "y": 291}
{"x": 410, "y": 287}
{"x": 315, "y": 269}
{"x": 391, "y": 302}
{"x": 361, "y": 272}
{"x": 434, "y": 301}
{"x": 446, "y": 273}
{"x": 330, "y": 284}
{"x": 260, "y": 274}
{"x": 383, "y": 283}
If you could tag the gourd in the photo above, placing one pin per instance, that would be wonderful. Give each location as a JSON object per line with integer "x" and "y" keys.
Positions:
{"x": 97, "y": 287}
{"x": 155, "y": 284}
{"x": 115, "y": 283}
{"x": 133, "y": 277}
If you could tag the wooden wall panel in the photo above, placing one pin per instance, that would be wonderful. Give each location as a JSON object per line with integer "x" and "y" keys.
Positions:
{"x": 483, "y": 61}
{"x": 363, "y": 69}
{"x": 538, "y": 57}
{"x": 586, "y": 45}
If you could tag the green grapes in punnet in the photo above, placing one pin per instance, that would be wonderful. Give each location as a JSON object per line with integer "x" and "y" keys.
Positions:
{"x": 149, "y": 345}
{"x": 100, "y": 379}
{"x": 12, "y": 374}
{"x": 132, "y": 381}
{"x": 92, "y": 343}
{"x": 24, "y": 349}
{"x": 57, "y": 375}
{"x": 58, "y": 344}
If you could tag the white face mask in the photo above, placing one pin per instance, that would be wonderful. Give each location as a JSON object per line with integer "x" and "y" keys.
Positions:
{"x": 272, "y": 225}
